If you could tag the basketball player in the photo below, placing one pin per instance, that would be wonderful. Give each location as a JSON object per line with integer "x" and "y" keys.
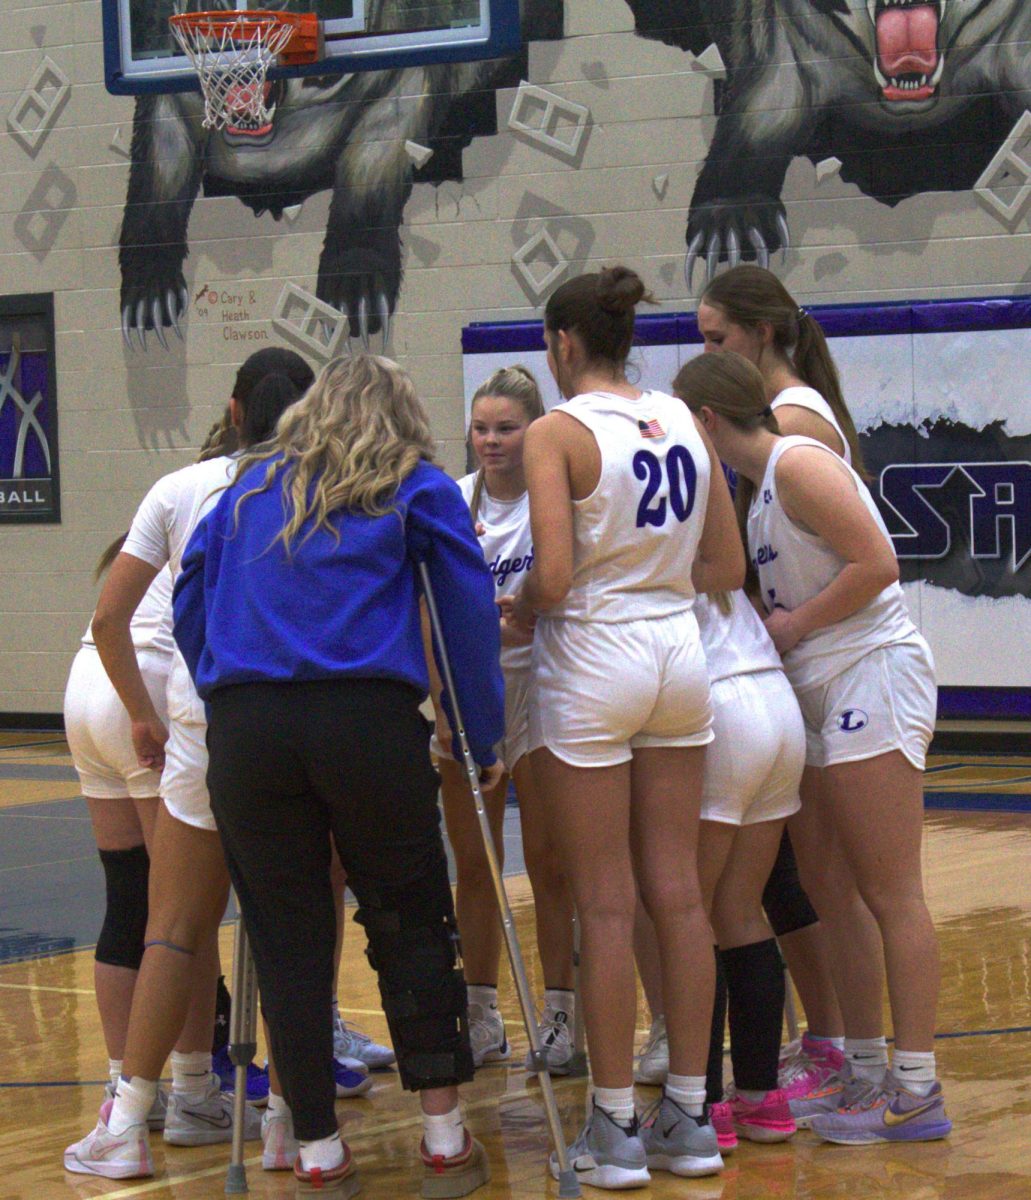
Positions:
{"x": 182, "y": 925}
{"x": 864, "y": 680}
{"x": 749, "y": 311}
{"x": 123, "y": 799}
{"x": 630, "y": 516}
{"x": 752, "y": 773}
{"x": 503, "y": 408}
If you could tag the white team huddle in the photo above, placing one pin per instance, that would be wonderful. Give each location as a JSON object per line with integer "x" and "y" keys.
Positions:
{"x": 664, "y": 717}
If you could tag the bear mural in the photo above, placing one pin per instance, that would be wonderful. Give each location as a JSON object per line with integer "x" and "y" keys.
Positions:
{"x": 342, "y": 133}
{"x": 910, "y": 95}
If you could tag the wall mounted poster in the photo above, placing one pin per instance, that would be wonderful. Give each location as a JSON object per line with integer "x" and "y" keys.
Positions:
{"x": 29, "y": 488}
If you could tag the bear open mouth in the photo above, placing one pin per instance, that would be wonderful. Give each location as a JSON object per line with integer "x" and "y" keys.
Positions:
{"x": 243, "y": 129}
{"x": 909, "y": 61}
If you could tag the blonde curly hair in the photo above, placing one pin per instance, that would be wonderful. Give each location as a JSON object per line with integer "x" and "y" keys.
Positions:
{"x": 358, "y": 431}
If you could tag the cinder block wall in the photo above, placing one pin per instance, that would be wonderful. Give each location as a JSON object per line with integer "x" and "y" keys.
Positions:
{"x": 621, "y": 194}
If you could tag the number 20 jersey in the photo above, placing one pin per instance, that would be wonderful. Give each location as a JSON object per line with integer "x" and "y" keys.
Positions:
{"x": 636, "y": 535}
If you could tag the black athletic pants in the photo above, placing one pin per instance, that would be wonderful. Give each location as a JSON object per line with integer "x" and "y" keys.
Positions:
{"x": 289, "y": 764}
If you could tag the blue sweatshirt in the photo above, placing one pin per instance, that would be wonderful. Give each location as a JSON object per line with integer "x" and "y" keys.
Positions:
{"x": 246, "y": 611}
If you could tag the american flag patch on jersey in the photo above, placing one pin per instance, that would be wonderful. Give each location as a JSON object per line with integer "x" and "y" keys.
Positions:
{"x": 651, "y": 429}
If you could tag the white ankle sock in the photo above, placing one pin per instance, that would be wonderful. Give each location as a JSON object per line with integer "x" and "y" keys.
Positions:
{"x": 617, "y": 1102}
{"x": 134, "y": 1098}
{"x": 444, "y": 1134}
{"x": 688, "y": 1091}
{"x": 277, "y": 1105}
{"x": 191, "y": 1075}
{"x": 867, "y": 1057}
{"x": 914, "y": 1069}
{"x": 324, "y": 1153}
{"x": 114, "y": 1069}
{"x": 560, "y": 1000}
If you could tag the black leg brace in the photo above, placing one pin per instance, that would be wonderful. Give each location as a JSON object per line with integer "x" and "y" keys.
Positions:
{"x": 223, "y": 1011}
{"x": 787, "y": 906}
{"x": 126, "y": 873}
{"x": 413, "y": 947}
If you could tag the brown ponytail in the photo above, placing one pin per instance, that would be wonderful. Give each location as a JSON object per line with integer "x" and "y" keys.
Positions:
{"x": 734, "y": 389}
{"x": 109, "y": 556}
{"x": 599, "y": 309}
{"x": 222, "y": 439}
{"x": 748, "y": 295}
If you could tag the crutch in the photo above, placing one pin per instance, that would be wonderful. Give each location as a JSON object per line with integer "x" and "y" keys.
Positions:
{"x": 567, "y": 1181}
{"x": 578, "y": 1063}
{"x": 243, "y": 1045}
{"x": 790, "y": 1010}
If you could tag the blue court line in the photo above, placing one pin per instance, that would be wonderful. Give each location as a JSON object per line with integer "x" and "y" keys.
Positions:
{"x": 55, "y": 1083}
{"x": 980, "y": 1032}
{"x": 978, "y": 802}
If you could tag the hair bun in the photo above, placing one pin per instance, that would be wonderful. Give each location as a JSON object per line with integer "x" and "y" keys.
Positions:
{"x": 620, "y": 290}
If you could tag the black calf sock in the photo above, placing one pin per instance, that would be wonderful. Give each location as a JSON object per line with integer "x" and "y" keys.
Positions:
{"x": 755, "y": 988}
{"x": 714, "y": 1067}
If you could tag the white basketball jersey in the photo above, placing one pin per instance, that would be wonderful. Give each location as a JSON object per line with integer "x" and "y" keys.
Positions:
{"x": 735, "y": 643}
{"x": 795, "y": 565}
{"x": 508, "y": 548}
{"x": 151, "y": 624}
{"x": 807, "y": 397}
{"x": 636, "y": 536}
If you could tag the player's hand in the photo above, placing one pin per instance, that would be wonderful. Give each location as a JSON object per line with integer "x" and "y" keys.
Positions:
{"x": 490, "y": 777}
{"x": 517, "y": 615}
{"x": 481, "y": 529}
{"x": 782, "y": 627}
{"x": 511, "y": 634}
{"x": 148, "y": 740}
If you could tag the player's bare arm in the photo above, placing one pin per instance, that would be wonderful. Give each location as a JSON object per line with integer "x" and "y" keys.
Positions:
{"x": 818, "y": 493}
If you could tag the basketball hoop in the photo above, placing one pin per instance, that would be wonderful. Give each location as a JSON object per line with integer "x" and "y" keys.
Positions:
{"x": 232, "y": 52}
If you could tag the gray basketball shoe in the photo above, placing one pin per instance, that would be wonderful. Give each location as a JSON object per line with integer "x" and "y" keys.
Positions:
{"x": 607, "y": 1154}
{"x": 675, "y": 1141}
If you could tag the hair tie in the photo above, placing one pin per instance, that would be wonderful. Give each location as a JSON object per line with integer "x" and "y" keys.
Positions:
{"x": 802, "y": 313}
{"x": 767, "y": 411}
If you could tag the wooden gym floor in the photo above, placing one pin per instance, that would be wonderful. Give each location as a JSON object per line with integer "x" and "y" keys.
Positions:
{"x": 53, "y": 1064}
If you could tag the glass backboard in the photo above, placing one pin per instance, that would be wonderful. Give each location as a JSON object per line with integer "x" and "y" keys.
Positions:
{"x": 141, "y": 55}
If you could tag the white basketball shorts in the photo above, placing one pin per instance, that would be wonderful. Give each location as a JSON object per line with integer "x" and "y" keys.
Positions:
{"x": 604, "y": 690}
{"x": 184, "y": 781}
{"x": 754, "y": 765}
{"x": 514, "y": 744}
{"x": 98, "y": 728}
{"x": 886, "y": 701}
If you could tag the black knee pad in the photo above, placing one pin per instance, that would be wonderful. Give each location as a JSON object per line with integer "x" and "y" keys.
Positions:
{"x": 787, "y": 906}
{"x": 413, "y": 947}
{"x": 126, "y": 873}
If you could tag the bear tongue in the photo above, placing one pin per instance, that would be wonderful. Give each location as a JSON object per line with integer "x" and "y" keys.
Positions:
{"x": 907, "y": 40}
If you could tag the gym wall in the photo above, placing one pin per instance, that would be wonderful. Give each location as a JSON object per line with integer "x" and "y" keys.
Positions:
{"x": 457, "y": 197}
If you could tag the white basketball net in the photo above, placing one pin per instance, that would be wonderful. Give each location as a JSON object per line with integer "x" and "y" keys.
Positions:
{"x": 232, "y": 57}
